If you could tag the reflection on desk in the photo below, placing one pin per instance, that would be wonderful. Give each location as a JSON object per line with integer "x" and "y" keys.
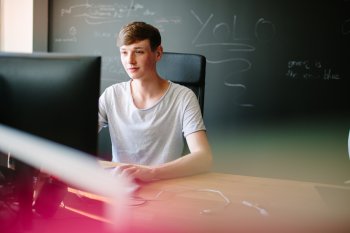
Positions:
{"x": 215, "y": 202}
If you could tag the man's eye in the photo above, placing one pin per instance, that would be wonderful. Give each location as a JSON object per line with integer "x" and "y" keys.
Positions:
{"x": 139, "y": 51}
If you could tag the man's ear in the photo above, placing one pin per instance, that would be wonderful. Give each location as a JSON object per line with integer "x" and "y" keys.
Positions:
{"x": 159, "y": 52}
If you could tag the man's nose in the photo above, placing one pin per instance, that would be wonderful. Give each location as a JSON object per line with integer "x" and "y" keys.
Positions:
{"x": 131, "y": 58}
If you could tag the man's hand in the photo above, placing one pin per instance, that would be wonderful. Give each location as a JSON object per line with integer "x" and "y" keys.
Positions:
{"x": 136, "y": 172}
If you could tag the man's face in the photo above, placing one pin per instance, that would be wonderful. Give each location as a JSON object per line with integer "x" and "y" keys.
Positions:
{"x": 139, "y": 60}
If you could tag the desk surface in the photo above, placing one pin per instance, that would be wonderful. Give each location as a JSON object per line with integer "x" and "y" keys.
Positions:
{"x": 215, "y": 202}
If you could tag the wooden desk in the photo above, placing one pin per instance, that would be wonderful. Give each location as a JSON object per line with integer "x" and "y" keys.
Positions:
{"x": 232, "y": 203}
{"x": 215, "y": 202}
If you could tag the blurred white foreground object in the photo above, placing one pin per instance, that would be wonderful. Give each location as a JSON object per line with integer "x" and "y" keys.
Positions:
{"x": 71, "y": 166}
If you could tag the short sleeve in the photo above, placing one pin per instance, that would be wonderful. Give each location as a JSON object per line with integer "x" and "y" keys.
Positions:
{"x": 192, "y": 119}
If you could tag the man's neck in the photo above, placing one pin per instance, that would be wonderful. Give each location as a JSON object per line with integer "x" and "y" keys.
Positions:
{"x": 146, "y": 93}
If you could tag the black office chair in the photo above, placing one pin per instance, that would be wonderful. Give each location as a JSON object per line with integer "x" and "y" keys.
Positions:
{"x": 186, "y": 69}
{"x": 182, "y": 68}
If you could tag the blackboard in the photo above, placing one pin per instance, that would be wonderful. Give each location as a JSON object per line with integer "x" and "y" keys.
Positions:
{"x": 266, "y": 59}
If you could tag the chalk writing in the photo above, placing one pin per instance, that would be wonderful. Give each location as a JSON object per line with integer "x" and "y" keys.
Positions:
{"x": 104, "y": 13}
{"x": 78, "y": 6}
{"x": 95, "y": 14}
{"x": 174, "y": 20}
{"x": 99, "y": 34}
{"x": 264, "y": 30}
{"x": 309, "y": 70}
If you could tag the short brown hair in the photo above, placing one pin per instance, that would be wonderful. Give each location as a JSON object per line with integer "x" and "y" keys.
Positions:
{"x": 138, "y": 31}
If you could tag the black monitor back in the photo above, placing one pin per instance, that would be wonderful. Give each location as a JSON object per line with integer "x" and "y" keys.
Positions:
{"x": 54, "y": 96}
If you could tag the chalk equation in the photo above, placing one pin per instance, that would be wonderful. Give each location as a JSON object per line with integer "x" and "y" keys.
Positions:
{"x": 94, "y": 13}
{"x": 310, "y": 70}
{"x": 263, "y": 31}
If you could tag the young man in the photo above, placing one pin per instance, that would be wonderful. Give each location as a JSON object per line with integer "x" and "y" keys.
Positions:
{"x": 148, "y": 116}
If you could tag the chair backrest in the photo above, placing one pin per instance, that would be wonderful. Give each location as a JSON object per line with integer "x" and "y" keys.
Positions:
{"x": 186, "y": 69}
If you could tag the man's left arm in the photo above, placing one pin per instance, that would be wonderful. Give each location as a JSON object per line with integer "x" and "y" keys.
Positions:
{"x": 199, "y": 160}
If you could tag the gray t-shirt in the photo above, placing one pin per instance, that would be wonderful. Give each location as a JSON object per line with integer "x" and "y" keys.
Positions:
{"x": 149, "y": 136}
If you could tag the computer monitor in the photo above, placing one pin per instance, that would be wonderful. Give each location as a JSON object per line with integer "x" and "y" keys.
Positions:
{"x": 53, "y": 96}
